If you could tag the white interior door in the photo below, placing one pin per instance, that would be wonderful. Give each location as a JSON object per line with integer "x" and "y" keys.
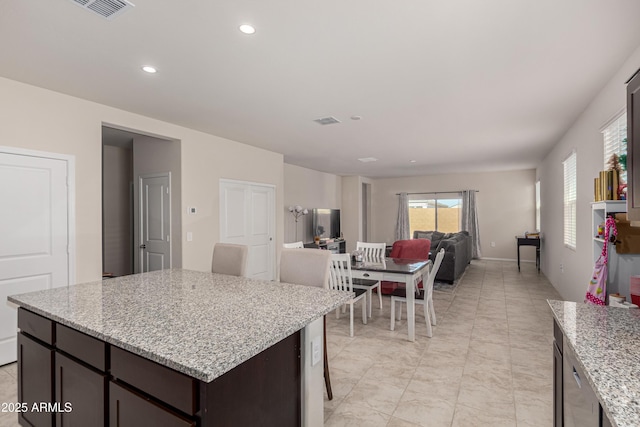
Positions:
{"x": 247, "y": 217}
{"x": 34, "y": 230}
{"x": 155, "y": 222}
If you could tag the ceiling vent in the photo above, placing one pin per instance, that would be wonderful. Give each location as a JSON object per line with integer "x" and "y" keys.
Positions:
{"x": 108, "y": 9}
{"x": 368, "y": 159}
{"x": 327, "y": 120}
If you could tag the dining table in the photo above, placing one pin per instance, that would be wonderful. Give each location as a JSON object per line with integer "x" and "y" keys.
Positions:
{"x": 407, "y": 271}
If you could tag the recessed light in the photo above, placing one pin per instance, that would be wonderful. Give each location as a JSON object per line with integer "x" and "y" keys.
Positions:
{"x": 149, "y": 69}
{"x": 247, "y": 29}
{"x": 356, "y": 117}
{"x": 368, "y": 159}
{"x": 412, "y": 161}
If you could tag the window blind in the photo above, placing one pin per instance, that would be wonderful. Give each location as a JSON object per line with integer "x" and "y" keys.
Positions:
{"x": 614, "y": 134}
{"x": 570, "y": 194}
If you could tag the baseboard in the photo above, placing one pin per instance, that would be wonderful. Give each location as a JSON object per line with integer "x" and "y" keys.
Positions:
{"x": 505, "y": 259}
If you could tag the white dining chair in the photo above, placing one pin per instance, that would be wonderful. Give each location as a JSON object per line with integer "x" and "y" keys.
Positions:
{"x": 309, "y": 268}
{"x": 373, "y": 252}
{"x": 294, "y": 245}
{"x": 340, "y": 279}
{"x": 229, "y": 258}
{"x": 424, "y": 296}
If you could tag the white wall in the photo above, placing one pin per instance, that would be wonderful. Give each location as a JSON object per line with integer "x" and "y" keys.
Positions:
{"x": 39, "y": 119}
{"x": 506, "y": 206}
{"x": 309, "y": 189}
{"x": 351, "y": 214}
{"x": 585, "y": 137}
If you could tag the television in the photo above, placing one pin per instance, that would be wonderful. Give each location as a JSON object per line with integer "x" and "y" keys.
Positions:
{"x": 325, "y": 223}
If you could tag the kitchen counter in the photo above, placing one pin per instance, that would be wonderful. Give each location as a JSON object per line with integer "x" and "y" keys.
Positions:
{"x": 606, "y": 342}
{"x": 200, "y": 324}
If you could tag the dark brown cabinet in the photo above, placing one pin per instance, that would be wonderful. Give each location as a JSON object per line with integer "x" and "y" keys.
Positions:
{"x": 88, "y": 382}
{"x": 129, "y": 408}
{"x": 633, "y": 147}
{"x": 558, "y": 413}
{"x": 80, "y": 392}
{"x": 35, "y": 371}
{"x": 579, "y": 404}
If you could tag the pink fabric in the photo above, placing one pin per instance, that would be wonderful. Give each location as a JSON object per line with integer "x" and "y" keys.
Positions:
{"x": 597, "y": 290}
{"x": 408, "y": 249}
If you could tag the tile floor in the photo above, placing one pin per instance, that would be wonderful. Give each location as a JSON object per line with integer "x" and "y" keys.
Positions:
{"x": 489, "y": 362}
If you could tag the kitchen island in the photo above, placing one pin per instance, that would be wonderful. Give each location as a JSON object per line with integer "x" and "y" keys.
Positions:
{"x": 604, "y": 344}
{"x": 179, "y": 347}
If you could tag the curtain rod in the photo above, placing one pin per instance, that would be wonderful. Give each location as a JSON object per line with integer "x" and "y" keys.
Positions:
{"x": 438, "y": 192}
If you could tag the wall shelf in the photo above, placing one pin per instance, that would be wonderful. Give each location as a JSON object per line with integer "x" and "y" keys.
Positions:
{"x": 620, "y": 266}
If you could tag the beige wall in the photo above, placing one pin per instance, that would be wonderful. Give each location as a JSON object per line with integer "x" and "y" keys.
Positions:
{"x": 585, "y": 137}
{"x": 39, "y": 119}
{"x": 506, "y": 206}
{"x": 309, "y": 189}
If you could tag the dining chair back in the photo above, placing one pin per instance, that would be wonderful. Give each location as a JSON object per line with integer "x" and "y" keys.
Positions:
{"x": 340, "y": 279}
{"x": 294, "y": 245}
{"x": 408, "y": 249}
{"x": 423, "y": 296}
{"x": 309, "y": 268}
{"x": 229, "y": 258}
{"x": 305, "y": 267}
{"x": 372, "y": 250}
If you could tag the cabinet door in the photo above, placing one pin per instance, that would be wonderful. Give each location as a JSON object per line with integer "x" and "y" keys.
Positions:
{"x": 558, "y": 416}
{"x": 80, "y": 392}
{"x": 35, "y": 382}
{"x": 633, "y": 148}
{"x": 127, "y": 408}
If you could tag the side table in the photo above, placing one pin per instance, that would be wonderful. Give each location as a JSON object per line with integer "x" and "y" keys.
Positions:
{"x": 529, "y": 241}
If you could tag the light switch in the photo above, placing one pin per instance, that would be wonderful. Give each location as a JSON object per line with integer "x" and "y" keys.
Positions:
{"x": 189, "y": 236}
{"x": 315, "y": 351}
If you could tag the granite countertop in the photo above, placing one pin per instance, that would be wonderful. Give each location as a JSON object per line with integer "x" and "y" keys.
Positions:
{"x": 606, "y": 341}
{"x": 201, "y": 324}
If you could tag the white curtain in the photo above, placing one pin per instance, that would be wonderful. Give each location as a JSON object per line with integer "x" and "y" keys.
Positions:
{"x": 470, "y": 221}
{"x": 402, "y": 224}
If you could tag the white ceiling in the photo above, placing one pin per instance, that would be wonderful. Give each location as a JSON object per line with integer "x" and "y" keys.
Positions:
{"x": 457, "y": 85}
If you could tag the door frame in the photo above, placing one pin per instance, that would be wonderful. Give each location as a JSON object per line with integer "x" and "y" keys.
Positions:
{"x": 137, "y": 267}
{"x": 272, "y": 224}
{"x": 71, "y": 200}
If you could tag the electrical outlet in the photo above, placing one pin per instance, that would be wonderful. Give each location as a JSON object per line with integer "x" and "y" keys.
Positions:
{"x": 561, "y": 268}
{"x": 316, "y": 354}
{"x": 493, "y": 244}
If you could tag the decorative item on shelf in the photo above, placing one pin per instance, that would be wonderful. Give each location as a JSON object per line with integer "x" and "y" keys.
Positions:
{"x": 607, "y": 186}
{"x": 597, "y": 289}
{"x": 297, "y": 211}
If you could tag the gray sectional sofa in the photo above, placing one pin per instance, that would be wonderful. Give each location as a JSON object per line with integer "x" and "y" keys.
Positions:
{"x": 457, "y": 254}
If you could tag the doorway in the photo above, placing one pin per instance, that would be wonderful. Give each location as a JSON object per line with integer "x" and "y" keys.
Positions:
{"x": 128, "y": 156}
{"x": 247, "y": 217}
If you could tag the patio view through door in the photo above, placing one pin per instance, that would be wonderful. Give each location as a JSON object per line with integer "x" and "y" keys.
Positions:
{"x": 247, "y": 217}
